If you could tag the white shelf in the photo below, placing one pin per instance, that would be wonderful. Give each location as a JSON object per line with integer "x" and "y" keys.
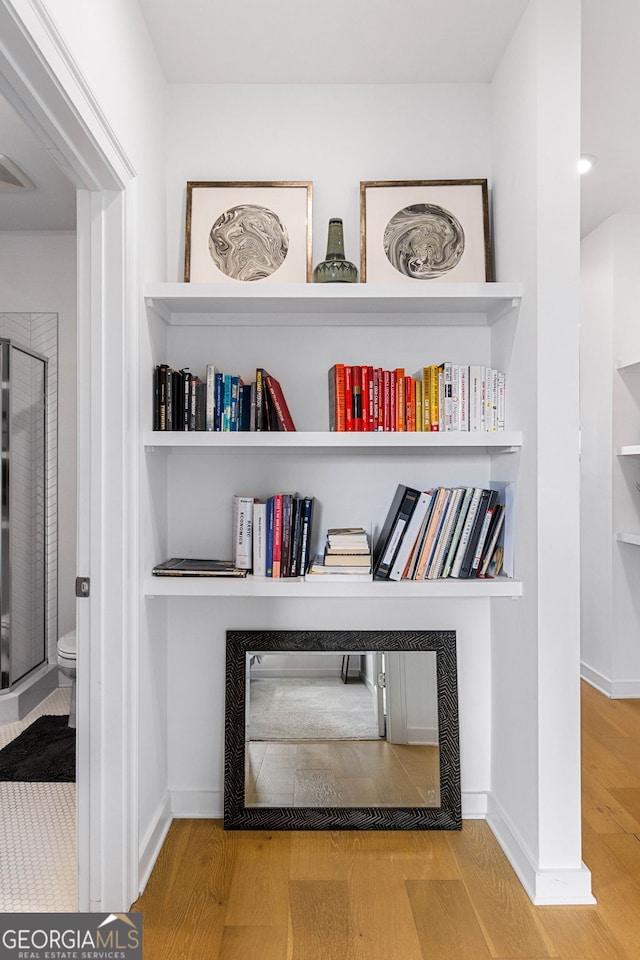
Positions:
{"x": 295, "y": 587}
{"x": 427, "y": 442}
{"x": 248, "y": 304}
{"x": 628, "y": 451}
{"x": 628, "y": 365}
{"x": 633, "y": 538}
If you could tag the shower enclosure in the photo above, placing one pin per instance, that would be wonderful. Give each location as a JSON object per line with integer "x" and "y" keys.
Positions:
{"x": 23, "y": 515}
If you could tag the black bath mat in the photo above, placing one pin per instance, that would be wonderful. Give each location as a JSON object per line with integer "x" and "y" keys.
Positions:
{"x": 43, "y": 753}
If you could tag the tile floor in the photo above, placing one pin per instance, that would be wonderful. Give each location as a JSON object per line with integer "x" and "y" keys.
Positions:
{"x": 37, "y": 833}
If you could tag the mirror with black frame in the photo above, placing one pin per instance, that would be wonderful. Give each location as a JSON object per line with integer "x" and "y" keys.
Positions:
{"x": 354, "y": 729}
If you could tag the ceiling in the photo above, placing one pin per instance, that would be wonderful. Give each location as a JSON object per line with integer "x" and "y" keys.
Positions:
{"x": 366, "y": 41}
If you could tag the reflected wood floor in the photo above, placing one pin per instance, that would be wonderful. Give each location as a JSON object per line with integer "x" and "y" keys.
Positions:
{"x": 404, "y": 895}
{"x": 341, "y": 773}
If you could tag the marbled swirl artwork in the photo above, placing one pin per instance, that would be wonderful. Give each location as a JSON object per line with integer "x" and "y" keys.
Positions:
{"x": 248, "y": 242}
{"x": 423, "y": 241}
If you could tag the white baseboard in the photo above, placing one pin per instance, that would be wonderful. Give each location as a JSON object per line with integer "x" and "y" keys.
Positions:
{"x": 614, "y": 689}
{"x": 474, "y": 806}
{"x": 544, "y": 887}
{"x": 152, "y": 843}
{"x": 197, "y": 804}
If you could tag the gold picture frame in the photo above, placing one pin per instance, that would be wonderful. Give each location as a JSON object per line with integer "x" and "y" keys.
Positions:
{"x": 243, "y": 231}
{"x": 413, "y": 231}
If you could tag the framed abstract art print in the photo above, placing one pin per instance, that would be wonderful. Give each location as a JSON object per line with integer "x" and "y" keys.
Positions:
{"x": 242, "y": 232}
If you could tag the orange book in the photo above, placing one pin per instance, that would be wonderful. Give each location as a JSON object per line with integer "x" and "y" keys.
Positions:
{"x": 400, "y": 399}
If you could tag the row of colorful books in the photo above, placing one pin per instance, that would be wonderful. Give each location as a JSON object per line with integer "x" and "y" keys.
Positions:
{"x": 443, "y": 397}
{"x": 217, "y": 401}
{"x": 445, "y": 532}
{"x": 272, "y": 537}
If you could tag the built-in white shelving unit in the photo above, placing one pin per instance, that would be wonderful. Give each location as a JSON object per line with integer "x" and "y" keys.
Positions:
{"x": 351, "y": 442}
{"x": 633, "y": 538}
{"x": 466, "y": 304}
{"x": 298, "y": 587}
{"x": 306, "y": 306}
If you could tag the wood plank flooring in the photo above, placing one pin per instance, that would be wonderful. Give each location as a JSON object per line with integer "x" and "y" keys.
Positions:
{"x": 341, "y": 773}
{"x": 404, "y": 895}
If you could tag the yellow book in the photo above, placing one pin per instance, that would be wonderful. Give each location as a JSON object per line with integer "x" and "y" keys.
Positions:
{"x": 419, "y": 412}
{"x": 426, "y": 418}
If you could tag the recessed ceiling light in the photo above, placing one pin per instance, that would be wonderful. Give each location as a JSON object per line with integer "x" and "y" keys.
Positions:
{"x": 585, "y": 163}
{"x": 12, "y": 177}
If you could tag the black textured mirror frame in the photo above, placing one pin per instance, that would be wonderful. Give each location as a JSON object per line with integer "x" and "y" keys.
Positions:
{"x": 238, "y": 816}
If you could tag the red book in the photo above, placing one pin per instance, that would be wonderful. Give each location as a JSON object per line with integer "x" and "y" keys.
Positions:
{"x": 393, "y": 401}
{"x": 372, "y": 422}
{"x": 356, "y": 386}
{"x": 277, "y": 535}
{"x": 337, "y": 415}
{"x": 366, "y": 422}
{"x": 348, "y": 398}
{"x": 386, "y": 400}
{"x": 279, "y": 403}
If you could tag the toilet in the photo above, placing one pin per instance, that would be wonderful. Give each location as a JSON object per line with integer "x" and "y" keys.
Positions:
{"x": 67, "y": 663}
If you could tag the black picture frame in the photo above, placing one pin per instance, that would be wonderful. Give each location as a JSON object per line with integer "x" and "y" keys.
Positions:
{"x": 238, "y": 816}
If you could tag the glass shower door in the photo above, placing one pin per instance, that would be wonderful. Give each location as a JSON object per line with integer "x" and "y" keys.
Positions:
{"x": 23, "y": 513}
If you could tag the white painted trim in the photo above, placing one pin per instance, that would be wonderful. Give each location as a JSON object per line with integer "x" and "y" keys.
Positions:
{"x": 422, "y": 736}
{"x": 41, "y": 80}
{"x": 187, "y": 804}
{"x": 474, "y": 805}
{"x": 614, "y": 689}
{"x": 544, "y": 887}
{"x": 151, "y": 845}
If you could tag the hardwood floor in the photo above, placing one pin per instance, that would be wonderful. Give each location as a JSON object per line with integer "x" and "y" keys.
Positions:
{"x": 341, "y": 773}
{"x": 404, "y": 896}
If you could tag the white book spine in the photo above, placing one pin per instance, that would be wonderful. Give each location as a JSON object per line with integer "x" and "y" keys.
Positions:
{"x": 242, "y": 532}
{"x": 463, "y": 398}
{"x": 259, "y": 529}
{"x": 486, "y": 399}
{"x": 440, "y": 401}
{"x": 494, "y": 401}
{"x": 475, "y": 398}
{"x": 500, "y": 402}
{"x": 447, "y": 399}
{"x": 455, "y": 397}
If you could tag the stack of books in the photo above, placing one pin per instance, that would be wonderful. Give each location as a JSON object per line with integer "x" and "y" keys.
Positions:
{"x": 439, "y": 398}
{"x": 347, "y": 557}
{"x": 445, "y": 532}
{"x": 218, "y": 402}
{"x": 272, "y": 538}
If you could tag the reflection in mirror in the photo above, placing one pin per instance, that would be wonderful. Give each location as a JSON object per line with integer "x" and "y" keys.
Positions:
{"x": 327, "y": 729}
{"x": 341, "y": 730}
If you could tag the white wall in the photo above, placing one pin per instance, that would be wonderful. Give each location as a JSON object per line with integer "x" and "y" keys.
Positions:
{"x": 535, "y": 676}
{"x": 38, "y": 275}
{"x": 334, "y": 135}
{"x": 610, "y": 418}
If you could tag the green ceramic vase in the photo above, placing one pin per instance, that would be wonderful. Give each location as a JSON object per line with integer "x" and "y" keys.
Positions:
{"x": 335, "y": 268}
